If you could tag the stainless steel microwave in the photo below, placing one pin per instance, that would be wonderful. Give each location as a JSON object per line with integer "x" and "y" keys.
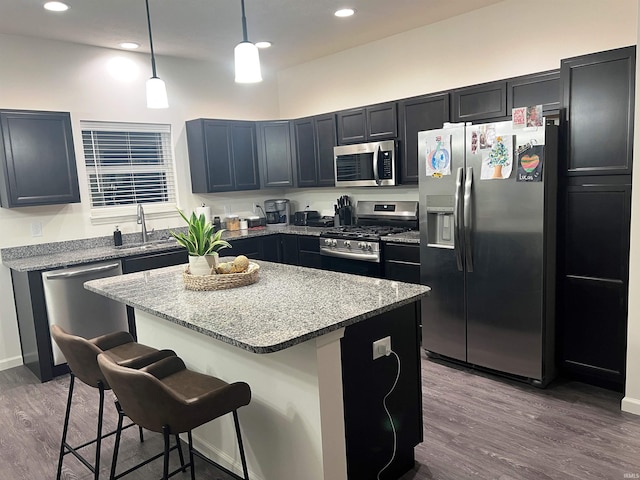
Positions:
{"x": 366, "y": 164}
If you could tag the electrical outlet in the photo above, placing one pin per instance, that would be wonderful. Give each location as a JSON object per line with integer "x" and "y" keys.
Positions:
{"x": 36, "y": 229}
{"x": 382, "y": 347}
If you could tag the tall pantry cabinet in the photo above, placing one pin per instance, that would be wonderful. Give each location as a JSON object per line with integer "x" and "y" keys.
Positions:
{"x": 598, "y": 101}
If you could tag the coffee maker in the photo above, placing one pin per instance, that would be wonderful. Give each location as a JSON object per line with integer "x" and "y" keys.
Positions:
{"x": 277, "y": 212}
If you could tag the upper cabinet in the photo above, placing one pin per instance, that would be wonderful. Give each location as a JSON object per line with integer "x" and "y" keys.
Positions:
{"x": 537, "y": 89}
{"x": 418, "y": 114}
{"x": 275, "y": 152}
{"x": 38, "y": 162}
{"x": 598, "y": 102}
{"x": 315, "y": 138}
{"x": 222, "y": 155}
{"x": 368, "y": 124}
{"x": 481, "y": 102}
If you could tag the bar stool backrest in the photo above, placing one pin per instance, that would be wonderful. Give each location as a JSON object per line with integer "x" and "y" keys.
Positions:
{"x": 81, "y": 356}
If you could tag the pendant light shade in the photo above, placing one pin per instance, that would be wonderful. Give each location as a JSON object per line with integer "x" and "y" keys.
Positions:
{"x": 247, "y": 58}
{"x": 156, "y": 89}
{"x": 156, "y": 93}
{"x": 247, "y": 63}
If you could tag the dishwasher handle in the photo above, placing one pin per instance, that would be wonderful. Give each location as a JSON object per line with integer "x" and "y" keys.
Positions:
{"x": 84, "y": 271}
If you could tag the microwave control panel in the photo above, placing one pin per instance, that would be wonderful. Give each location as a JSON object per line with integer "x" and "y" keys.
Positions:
{"x": 386, "y": 163}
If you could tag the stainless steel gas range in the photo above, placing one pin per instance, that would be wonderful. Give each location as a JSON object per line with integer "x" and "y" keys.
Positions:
{"x": 357, "y": 248}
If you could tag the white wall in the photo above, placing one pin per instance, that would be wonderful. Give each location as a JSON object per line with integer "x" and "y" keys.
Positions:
{"x": 631, "y": 401}
{"x": 507, "y": 39}
{"x": 47, "y": 75}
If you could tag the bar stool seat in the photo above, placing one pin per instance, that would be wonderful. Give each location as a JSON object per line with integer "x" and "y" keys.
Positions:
{"x": 167, "y": 397}
{"x": 81, "y": 355}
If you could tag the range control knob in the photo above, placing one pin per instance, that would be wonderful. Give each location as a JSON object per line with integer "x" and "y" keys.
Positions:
{"x": 347, "y": 243}
{"x": 334, "y": 243}
{"x": 327, "y": 241}
{"x": 362, "y": 245}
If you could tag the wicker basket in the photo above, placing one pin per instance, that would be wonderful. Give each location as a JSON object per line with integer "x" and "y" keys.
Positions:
{"x": 221, "y": 281}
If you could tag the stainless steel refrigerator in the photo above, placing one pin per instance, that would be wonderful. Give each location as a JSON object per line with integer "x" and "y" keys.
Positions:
{"x": 487, "y": 237}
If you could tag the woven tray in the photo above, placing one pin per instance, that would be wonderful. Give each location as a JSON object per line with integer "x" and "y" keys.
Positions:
{"x": 221, "y": 281}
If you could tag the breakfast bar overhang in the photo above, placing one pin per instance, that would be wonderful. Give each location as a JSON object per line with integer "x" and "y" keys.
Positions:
{"x": 303, "y": 340}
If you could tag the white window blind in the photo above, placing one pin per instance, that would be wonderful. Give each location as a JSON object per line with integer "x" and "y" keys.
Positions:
{"x": 128, "y": 163}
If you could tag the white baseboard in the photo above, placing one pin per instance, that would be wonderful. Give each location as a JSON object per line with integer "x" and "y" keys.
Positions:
{"x": 219, "y": 456}
{"x": 631, "y": 405}
{"x": 8, "y": 363}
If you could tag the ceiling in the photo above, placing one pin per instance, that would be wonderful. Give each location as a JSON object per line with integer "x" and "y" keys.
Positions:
{"x": 300, "y": 30}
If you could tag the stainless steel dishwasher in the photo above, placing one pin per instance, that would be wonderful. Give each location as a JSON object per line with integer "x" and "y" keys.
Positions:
{"x": 78, "y": 310}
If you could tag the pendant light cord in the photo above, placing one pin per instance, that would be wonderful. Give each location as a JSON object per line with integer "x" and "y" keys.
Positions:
{"x": 153, "y": 57}
{"x": 244, "y": 23}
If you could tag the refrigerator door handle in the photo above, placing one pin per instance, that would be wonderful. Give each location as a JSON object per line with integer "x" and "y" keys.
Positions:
{"x": 468, "y": 184}
{"x": 457, "y": 239}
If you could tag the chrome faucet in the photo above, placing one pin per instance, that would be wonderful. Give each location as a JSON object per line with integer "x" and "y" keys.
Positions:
{"x": 140, "y": 221}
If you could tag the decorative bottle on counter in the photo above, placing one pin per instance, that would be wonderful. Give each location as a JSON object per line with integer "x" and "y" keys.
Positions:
{"x": 117, "y": 237}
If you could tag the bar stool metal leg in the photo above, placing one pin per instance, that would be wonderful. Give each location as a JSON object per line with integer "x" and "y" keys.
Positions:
{"x": 245, "y": 471}
{"x": 193, "y": 465}
{"x": 99, "y": 436}
{"x": 66, "y": 426}
{"x": 165, "y": 435}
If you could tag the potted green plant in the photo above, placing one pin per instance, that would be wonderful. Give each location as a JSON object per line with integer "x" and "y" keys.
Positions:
{"x": 201, "y": 242}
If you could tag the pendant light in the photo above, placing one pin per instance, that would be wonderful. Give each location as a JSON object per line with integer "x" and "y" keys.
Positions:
{"x": 156, "y": 90}
{"x": 246, "y": 57}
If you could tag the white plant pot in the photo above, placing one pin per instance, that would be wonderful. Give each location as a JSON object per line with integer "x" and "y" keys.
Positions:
{"x": 203, "y": 265}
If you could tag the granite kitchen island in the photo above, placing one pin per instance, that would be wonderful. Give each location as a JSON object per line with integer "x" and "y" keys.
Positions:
{"x": 302, "y": 338}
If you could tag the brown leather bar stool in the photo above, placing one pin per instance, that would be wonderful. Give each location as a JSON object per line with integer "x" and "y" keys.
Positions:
{"x": 81, "y": 355}
{"x": 166, "y": 397}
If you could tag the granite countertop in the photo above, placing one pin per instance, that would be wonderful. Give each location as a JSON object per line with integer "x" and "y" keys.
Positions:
{"x": 75, "y": 252}
{"x": 288, "y": 305}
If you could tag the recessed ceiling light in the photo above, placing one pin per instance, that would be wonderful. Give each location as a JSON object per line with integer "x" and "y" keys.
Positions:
{"x": 129, "y": 45}
{"x": 263, "y": 44}
{"x": 345, "y": 12}
{"x": 56, "y": 6}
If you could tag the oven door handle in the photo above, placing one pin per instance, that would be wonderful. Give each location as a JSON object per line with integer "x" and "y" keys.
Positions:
{"x": 376, "y": 166}
{"x": 362, "y": 257}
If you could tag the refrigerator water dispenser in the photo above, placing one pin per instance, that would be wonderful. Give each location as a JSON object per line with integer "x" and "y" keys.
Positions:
{"x": 440, "y": 221}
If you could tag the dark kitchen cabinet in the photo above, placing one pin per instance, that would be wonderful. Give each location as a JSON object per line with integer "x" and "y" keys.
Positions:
{"x": 38, "y": 162}
{"x": 315, "y": 138}
{"x": 417, "y": 114}
{"x": 222, "y": 155}
{"x": 598, "y": 100}
{"x": 250, "y": 247}
{"x": 538, "y": 89}
{"x": 289, "y": 246}
{"x": 309, "y": 251}
{"x": 402, "y": 262}
{"x": 270, "y": 248}
{"x": 368, "y": 124}
{"x": 592, "y": 317}
{"x": 275, "y": 152}
{"x": 481, "y": 102}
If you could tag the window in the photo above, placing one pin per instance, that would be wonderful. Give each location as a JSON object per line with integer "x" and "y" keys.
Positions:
{"x": 127, "y": 164}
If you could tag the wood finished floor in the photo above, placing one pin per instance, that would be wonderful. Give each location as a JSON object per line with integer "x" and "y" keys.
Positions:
{"x": 475, "y": 427}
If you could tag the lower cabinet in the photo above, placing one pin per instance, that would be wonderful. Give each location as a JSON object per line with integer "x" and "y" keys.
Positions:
{"x": 309, "y": 251}
{"x": 594, "y": 280}
{"x": 402, "y": 262}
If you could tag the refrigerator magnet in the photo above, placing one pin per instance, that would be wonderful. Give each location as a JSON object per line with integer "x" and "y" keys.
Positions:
{"x": 497, "y": 163}
{"x": 438, "y": 159}
{"x": 530, "y": 163}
